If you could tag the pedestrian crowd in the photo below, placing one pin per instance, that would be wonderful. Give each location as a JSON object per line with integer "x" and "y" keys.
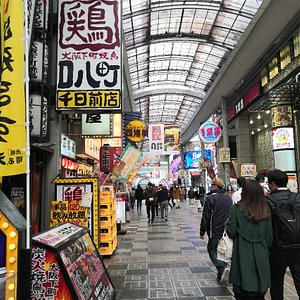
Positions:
{"x": 262, "y": 218}
{"x": 263, "y": 221}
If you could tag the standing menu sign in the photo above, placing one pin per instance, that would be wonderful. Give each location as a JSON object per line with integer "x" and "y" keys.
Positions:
{"x": 67, "y": 265}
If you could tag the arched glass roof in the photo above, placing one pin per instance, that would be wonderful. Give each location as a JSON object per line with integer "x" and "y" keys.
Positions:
{"x": 176, "y": 49}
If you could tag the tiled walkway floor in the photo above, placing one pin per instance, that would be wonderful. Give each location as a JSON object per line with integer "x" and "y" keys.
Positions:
{"x": 166, "y": 260}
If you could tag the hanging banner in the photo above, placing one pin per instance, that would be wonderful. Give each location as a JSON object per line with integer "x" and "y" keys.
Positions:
{"x": 12, "y": 120}
{"x": 135, "y": 171}
{"x": 130, "y": 157}
{"x": 156, "y": 138}
{"x": 224, "y": 155}
{"x": 171, "y": 138}
{"x": 89, "y": 55}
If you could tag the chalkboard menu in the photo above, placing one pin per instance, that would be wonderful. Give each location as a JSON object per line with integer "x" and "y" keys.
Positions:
{"x": 80, "y": 273}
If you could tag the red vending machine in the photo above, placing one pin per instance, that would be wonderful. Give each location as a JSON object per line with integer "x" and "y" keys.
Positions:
{"x": 67, "y": 265}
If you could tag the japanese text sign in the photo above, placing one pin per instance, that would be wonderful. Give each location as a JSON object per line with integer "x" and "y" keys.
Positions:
{"x": 106, "y": 159}
{"x": 136, "y": 131}
{"x": 209, "y": 132}
{"x": 68, "y": 211}
{"x": 156, "y": 138}
{"x": 89, "y": 55}
{"x": 12, "y": 120}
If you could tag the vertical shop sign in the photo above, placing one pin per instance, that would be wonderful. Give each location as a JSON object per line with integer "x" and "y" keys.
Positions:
{"x": 106, "y": 159}
{"x": 89, "y": 55}
{"x": 12, "y": 120}
{"x": 156, "y": 138}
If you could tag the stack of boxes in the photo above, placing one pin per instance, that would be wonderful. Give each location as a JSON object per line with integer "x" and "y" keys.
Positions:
{"x": 107, "y": 222}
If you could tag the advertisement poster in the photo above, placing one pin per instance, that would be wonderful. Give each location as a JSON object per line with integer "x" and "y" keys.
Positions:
{"x": 192, "y": 158}
{"x": 292, "y": 182}
{"x": 248, "y": 170}
{"x": 136, "y": 130}
{"x": 283, "y": 138}
{"x": 47, "y": 282}
{"x": 89, "y": 60}
{"x": 151, "y": 159}
{"x": 224, "y": 155}
{"x": 130, "y": 156}
{"x": 12, "y": 120}
{"x": 282, "y": 116}
{"x": 156, "y": 138}
{"x": 75, "y": 190}
{"x": 171, "y": 140}
{"x": 86, "y": 270}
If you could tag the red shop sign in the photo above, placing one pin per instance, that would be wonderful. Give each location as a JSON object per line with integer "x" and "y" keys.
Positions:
{"x": 106, "y": 159}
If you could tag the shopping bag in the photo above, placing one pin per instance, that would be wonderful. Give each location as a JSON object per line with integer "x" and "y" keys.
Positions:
{"x": 224, "y": 249}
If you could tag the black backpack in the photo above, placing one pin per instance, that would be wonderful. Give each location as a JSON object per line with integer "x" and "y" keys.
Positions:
{"x": 286, "y": 221}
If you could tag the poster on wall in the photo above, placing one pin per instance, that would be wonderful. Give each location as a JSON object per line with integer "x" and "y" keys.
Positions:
{"x": 224, "y": 155}
{"x": 248, "y": 170}
{"x": 89, "y": 55}
{"x": 282, "y": 116}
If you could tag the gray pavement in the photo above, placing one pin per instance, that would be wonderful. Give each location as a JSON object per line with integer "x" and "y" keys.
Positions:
{"x": 167, "y": 260}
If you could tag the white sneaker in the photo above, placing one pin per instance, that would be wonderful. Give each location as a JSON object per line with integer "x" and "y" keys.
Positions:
{"x": 225, "y": 277}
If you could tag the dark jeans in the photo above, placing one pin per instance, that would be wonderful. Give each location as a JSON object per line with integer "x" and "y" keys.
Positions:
{"x": 139, "y": 204}
{"x": 240, "y": 294}
{"x": 212, "y": 252}
{"x": 151, "y": 208}
{"x": 279, "y": 261}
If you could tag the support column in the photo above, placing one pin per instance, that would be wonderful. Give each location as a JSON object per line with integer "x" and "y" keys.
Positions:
{"x": 242, "y": 142}
{"x": 225, "y": 138}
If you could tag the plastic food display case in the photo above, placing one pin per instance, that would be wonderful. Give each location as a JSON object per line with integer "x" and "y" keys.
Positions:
{"x": 67, "y": 265}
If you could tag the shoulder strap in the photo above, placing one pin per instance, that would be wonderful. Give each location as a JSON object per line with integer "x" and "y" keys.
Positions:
{"x": 292, "y": 197}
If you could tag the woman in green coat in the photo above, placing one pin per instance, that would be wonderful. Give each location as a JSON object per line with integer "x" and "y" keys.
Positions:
{"x": 250, "y": 227}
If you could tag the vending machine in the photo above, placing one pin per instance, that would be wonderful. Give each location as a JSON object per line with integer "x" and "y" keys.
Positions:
{"x": 66, "y": 265}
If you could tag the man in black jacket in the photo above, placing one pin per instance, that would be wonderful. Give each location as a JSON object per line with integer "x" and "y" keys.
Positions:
{"x": 284, "y": 252}
{"x": 215, "y": 213}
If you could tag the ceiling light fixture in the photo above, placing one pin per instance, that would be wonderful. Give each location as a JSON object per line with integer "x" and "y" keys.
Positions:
{"x": 259, "y": 116}
{"x": 258, "y": 129}
{"x": 251, "y": 121}
{"x": 266, "y": 125}
{"x": 252, "y": 132}
{"x": 268, "y": 111}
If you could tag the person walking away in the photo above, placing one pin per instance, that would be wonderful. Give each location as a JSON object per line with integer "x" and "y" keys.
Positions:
{"x": 132, "y": 197}
{"x": 262, "y": 181}
{"x": 171, "y": 193}
{"x": 163, "y": 200}
{"x": 191, "y": 196}
{"x": 236, "y": 196}
{"x": 285, "y": 207}
{"x": 139, "y": 196}
{"x": 249, "y": 225}
{"x": 156, "y": 189}
{"x": 176, "y": 196}
{"x": 202, "y": 194}
{"x": 150, "y": 202}
{"x": 215, "y": 213}
{"x": 182, "y": 194}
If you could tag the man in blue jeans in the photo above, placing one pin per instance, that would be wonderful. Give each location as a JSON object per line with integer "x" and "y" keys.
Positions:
{"x": 215, "y": 213}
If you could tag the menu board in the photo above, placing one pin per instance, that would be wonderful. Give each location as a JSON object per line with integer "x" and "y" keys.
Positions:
{"x": 86, "y": 271}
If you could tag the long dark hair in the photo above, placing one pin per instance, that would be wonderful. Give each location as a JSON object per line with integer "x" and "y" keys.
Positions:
{"x": 253, "y": 203}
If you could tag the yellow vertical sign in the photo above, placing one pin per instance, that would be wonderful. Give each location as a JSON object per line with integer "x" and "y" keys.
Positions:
{"x": 12, "y": 94}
